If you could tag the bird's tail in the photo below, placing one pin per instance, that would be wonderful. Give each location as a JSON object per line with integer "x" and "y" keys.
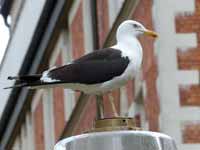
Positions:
{"x": 27, "y": 80}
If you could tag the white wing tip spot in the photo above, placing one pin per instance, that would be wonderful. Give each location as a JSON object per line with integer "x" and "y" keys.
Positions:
{"x": 46, "y": 78}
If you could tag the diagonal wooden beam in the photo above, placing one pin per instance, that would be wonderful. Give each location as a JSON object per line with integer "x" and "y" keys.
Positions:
{"x": 75, "y": 116}
{"x": 99, "y": 107}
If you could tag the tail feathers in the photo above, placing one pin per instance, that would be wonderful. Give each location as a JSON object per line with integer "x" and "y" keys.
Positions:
{"x": 26, "y": 80}
{"x": 17, "y": 86}
{"x": 13, "y": 78}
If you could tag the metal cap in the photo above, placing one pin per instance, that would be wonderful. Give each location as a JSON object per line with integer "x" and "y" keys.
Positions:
{"x": 113, "y": 124}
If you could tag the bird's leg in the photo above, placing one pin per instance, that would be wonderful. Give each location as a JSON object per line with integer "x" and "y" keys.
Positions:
{"x": 99, "y": 105}
{"x": 111, "y": 100}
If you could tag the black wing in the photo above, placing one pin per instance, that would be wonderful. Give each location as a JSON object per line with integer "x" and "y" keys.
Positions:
{"x": 96, "y": 67}
{"x": 103, "y": 54}
{"x": 99, "y": 66}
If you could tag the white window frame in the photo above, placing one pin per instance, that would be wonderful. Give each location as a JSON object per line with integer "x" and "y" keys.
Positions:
{"x": 114, "y": 7}
{"x": 49, "y": 137}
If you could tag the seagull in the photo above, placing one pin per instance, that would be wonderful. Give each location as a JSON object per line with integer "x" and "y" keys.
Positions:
{"x": 100, "y": 71}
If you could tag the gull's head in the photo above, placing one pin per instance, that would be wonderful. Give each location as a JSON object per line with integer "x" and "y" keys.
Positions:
{"x": 131, "y": 28}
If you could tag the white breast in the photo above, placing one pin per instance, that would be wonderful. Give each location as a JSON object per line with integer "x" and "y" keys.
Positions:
{"x": 133, "y": 50}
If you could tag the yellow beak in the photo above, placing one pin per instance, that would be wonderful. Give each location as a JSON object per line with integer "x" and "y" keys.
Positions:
{"x": 151, "y": 33}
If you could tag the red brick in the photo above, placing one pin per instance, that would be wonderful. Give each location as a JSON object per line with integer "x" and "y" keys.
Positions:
{"x": 191, "y": 133}
{"x": 88, "y": 117}
{"x": 39, "y": 126}
{"x": 107, "y": 105}
{"x": 77, "y": 94}
{"x": 143, "y": 14}
{"x": 130, "y": 88}
{"x": 58, "y": 105}
{"x": 77, "y": 36}
{"x": 138, "y": 120}
{"x": 190, "y": 95}
{"x": 77, "y": 33}
{"x": 59, "y": 60}
{"x": 189, "y": 59}
{"x": 151, "y": 101}
{"x": 103, "y": 20}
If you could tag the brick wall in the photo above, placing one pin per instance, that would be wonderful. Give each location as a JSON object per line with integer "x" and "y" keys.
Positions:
{"x": 188, "y": 96}
{"x": 77, "y": 42}
{"x": 130, "y": 88}
{"x": 88, "y": 117}
{"x": 189, "y": 59}
{"x": 149, "y": 65}
{"x": 77, "y": 33}
{"x": 102, "y": 20}
{"x": 103, "y": 29}
{"x": 58, "y": 104}
{"x": 150, "y": 73}
{"x": 38, "y": 118}
{"x": 143, "y": 14}
{"x": 107, "y": 106}
{"x": 189, "y": 23}
{"x": 191, "y": 132}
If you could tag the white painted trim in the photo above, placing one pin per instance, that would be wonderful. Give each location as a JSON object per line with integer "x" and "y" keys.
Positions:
{"x": 169, "y": 79}
{"x": 29, "y": 128}
{"x": 69, "y": 103}
{"x": 65, "y": 47}
{"x": 187, "y": 77}
{"x": 73, "y": 11}
{"x": 123, "y": 101}
{"x": 18, "y": 45}
{"x": 17, "y": 144}
{"x": 114, "y": 7}
{"x": 188, "y": 147}
{"x": 138, "y": 84}
{"x": 184, "y": 41}
{"x": 49, "y": 137}
{"x": 137, "y": 108}
{"x": 144, "y": 89}
{"x": 69, "y": 95}
{"x": 69, "y": 46}
{"x": 87, "y": 27}
{"x": 36, "y": 99}
{"x": 132, "y": 110}
{"x": 24, "y": 139}
{"x": 144, "y": 121}
{"x": 15, "y": 13}
{"x": 57, "y": 50}
{"x": 185, "y": 7}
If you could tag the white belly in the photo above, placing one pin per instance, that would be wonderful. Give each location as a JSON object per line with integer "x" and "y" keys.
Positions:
{"x": 107, "y": 86}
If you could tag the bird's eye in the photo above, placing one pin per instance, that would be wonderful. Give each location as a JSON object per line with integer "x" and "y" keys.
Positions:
{"x": 135, "y": 26}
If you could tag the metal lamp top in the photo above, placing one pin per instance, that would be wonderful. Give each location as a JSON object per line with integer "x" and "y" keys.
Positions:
{"x": 118, "y": 140}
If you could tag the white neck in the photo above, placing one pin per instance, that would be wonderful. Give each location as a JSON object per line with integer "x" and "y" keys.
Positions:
{"x": 130, "y": 46}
